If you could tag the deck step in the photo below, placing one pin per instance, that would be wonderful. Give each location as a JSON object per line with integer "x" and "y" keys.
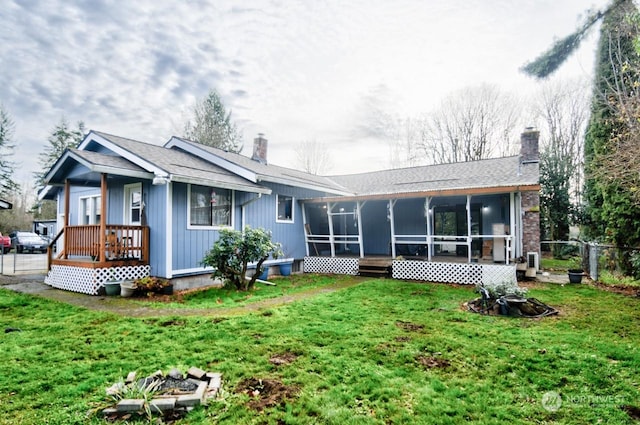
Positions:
{"x": 374, "y": 266}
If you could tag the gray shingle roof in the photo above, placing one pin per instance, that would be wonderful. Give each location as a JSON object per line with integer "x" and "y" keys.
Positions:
{"x": 488, "y": 173}
{"x": 273, "y": 173}
{"x": 183, "y": 166}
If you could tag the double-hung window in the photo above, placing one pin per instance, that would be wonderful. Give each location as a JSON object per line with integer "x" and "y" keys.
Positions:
{"x": 90, "y": 209}
{"x": 209, "y": 206}
{"x": 284, "y": 209}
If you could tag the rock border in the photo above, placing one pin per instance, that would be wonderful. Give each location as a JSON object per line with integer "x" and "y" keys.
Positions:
{"x": 208, "y": 387}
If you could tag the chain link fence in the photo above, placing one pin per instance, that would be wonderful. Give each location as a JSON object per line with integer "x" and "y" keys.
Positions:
{"x": 13, "y": 263}
{"x": 593, "y": 257}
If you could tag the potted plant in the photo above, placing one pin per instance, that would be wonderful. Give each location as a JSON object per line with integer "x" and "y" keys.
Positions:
{"x": 575, "y": 270}
{"x": 127, "y": 288}
{"x": 112, "y": 285}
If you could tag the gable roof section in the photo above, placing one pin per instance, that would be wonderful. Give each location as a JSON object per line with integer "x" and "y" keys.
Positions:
{"x": 132, "y": 158}
{"x": 474, "y": 177}
{"x": 256, "y": 171}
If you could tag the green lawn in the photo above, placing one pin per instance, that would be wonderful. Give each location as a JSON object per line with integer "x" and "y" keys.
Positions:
{"x": 380, "y": 352}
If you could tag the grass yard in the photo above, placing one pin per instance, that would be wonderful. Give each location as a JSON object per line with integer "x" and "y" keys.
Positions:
{"x": 379, "y": 352}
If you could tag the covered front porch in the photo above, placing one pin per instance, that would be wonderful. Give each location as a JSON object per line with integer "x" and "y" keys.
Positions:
{"x": 89, "y": 255}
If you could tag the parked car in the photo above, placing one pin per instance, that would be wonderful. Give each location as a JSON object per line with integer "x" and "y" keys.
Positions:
{"x": 5, "y": 243}
{"x": 28, "y": 241}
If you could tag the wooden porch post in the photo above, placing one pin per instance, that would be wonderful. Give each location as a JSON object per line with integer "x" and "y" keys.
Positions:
{"x": 103, "y": 217}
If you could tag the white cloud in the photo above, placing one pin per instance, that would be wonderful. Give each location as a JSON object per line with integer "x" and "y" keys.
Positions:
{"x": 294, "y": 70}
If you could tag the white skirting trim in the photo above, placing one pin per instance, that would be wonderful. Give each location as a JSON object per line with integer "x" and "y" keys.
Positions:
{"x": 91, "y": 281}
{"x": 430, "y": 271}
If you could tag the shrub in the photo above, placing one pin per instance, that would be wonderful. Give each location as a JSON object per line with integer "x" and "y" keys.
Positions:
{"x": 234, "y": 250}
{"x": 500, "y": 289}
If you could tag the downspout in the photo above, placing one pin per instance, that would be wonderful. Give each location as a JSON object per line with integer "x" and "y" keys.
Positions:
{"x": 243, "y": 209}
{"x": 359, "y": 218}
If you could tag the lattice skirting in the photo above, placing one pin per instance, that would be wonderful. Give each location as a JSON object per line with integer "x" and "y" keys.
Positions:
{"x": 462, "y": 273}
{"x": 331, "y": 265}
{"x": 90, "y": 281}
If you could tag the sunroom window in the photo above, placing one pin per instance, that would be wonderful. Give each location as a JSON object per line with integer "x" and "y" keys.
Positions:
{"x": 209, "y": 206}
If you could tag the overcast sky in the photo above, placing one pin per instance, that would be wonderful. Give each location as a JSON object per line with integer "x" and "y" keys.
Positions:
{"x": 293, "y": 70}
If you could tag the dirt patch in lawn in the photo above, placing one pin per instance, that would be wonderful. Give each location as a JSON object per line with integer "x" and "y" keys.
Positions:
{"x": 630, "y": 291}
{"x": 410, "y": 327}
{"x": 266, "y": 393}
{"x": 632, "y": 411}
{"x": 431, "y": 362}
{"x": 283, "y": 358}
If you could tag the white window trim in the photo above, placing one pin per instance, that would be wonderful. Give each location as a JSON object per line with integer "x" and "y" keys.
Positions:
{"x": 196, "y": 227}
{"x": 95, "y": 209}
{"x": 126, "y": 207}
{"x": 293, "y": 210}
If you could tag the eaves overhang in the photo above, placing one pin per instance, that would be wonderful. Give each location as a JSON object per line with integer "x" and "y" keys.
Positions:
{"x": 427, "y": 193}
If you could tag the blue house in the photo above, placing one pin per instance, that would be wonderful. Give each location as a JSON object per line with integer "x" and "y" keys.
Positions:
{"x": 132, "y": 209}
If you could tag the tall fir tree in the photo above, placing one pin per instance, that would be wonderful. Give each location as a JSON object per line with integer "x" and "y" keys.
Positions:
{"x": 62, "y": 137}
{"x": 212, "y": 126}
{"x": 8, "y": 187}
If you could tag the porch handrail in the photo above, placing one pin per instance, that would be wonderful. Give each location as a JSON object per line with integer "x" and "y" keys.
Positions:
{"x": 122, "y": 241}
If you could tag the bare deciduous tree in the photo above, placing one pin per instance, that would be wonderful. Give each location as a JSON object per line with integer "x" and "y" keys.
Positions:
{"x": 561, "y": 111}
{"x": 471, "y": 124}
{"x": 313, "y": 157}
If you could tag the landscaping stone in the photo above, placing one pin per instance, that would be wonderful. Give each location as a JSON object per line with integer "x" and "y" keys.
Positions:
{"x": 195, "y": 372}
{"x": 130, "y": 405}
{"x": 173, "y": 392}
{"x": 159, "y": 405}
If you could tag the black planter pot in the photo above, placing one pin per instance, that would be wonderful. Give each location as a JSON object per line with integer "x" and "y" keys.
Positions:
{"x": 575, "y": 275}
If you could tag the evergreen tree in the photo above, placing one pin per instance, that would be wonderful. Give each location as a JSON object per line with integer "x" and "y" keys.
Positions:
{"x": 212, "y": 125}
{"x": 611, "y": 213}
{"x": 62, "y": 137}
{"x": 7, "y": 167}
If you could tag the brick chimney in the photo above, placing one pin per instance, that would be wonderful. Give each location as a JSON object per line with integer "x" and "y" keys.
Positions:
{"x": 529, "y": 151}
{"x": 260, "y": 149}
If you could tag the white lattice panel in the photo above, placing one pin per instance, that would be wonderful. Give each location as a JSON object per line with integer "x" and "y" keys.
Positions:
{"x": 437, "y": 272}
{"x": 331, "y": 265}
{"x": 88, "y": 280}
{"x": 493, "y": 273}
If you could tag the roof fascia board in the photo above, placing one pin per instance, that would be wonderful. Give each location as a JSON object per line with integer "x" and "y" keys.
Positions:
{"x": 110, "y": 170}
{"x": 287, "y": 182}
{"x": 112, "y": 146}
{"x": 212, "y": 183}
{"x": 422, "y": 194}
{"x": 212, "y": 158}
